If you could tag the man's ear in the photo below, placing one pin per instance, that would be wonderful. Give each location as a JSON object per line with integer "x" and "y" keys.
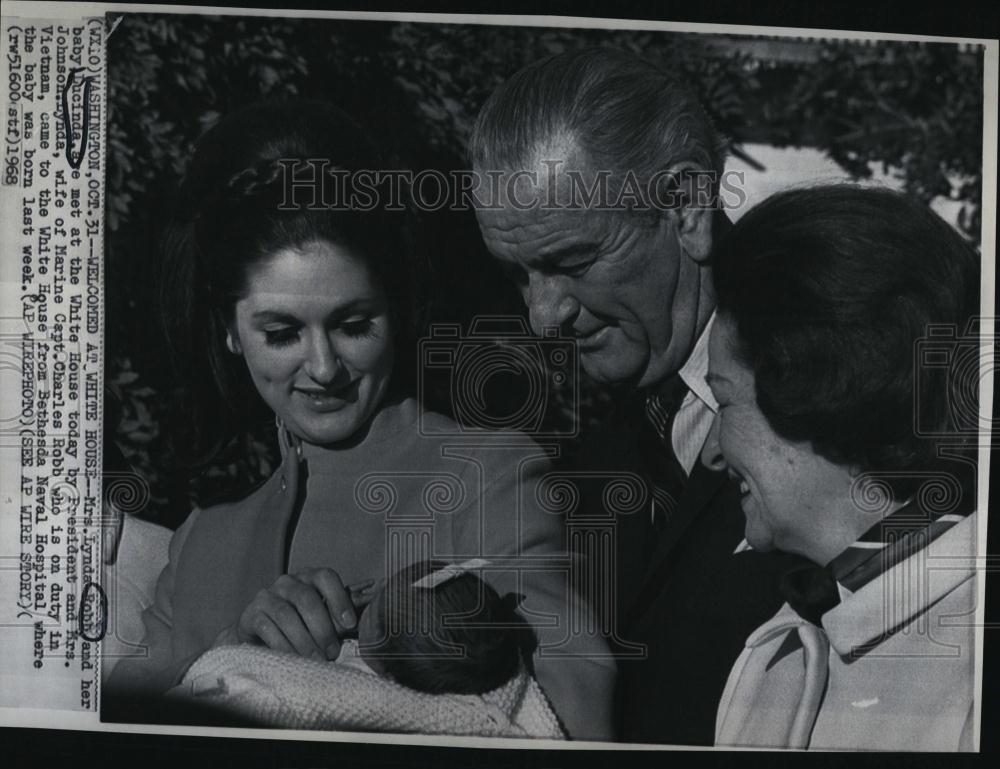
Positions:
{"x": 695, "y": 210}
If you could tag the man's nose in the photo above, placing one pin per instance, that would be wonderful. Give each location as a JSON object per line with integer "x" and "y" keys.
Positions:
{"x": 711, "y": 452}
{"x": 550, "y": 303}
{"x": 323, "y": 362}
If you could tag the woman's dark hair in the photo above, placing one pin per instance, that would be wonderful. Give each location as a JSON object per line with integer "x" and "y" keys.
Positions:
{"x": 459, "y": 636}
{"x": 833, "y": 291}
{"x": 236, "y": 207}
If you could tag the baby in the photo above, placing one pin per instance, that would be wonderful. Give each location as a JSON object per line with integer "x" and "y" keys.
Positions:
{"x": 441, "y": 629}
{"x": 438, "y": 652}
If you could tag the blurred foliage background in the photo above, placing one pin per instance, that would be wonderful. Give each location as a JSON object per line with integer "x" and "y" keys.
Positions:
{"x": 914, "y": 108}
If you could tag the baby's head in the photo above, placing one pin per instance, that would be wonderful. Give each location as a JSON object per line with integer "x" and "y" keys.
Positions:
{"x": 437, "y": 629}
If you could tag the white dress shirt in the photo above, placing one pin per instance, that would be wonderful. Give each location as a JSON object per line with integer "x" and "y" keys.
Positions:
{"x": 694, "y": 417}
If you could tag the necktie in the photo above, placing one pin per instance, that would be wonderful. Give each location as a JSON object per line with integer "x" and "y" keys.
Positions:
{"x": 665, "y": 471}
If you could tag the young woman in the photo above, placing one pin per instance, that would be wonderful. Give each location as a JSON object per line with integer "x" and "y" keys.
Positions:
{"x": 277, "y": 283}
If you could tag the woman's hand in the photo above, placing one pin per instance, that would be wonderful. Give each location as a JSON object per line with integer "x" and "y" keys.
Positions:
{"x": 306, "y": 613}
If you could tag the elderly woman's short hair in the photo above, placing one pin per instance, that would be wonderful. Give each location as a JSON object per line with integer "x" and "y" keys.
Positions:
{"x": 832, "y": 290}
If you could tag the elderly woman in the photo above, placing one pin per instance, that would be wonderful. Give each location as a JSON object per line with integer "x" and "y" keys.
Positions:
{"x": 826, "y": 299}
{"x": 277, "y": 288}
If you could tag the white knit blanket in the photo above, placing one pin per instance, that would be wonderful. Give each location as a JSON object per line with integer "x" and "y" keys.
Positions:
{"x": 291, "y": 692}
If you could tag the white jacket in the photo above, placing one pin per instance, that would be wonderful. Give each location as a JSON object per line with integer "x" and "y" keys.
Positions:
{"x": 891, "y": 668}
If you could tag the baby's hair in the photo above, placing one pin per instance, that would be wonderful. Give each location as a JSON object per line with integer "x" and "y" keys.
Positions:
{"x": 457, "y": 637}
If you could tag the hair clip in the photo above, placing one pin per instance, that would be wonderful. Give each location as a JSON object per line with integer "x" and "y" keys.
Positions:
{"x": 448, "y": 572}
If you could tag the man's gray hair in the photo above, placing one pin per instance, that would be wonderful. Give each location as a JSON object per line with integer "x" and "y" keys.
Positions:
{"x": 623, "y": 112}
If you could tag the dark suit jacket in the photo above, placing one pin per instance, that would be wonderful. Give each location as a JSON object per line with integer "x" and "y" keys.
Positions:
{"x": 683, "y": 595}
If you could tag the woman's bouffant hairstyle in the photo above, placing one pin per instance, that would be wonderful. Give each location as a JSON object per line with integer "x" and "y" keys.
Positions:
{"x": 237, "y": 207}
{"x": 833, "y": 291}
{"x": 457, "y": 637}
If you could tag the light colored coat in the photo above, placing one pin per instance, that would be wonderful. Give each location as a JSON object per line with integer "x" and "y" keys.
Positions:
{"x": 890, "y": 668}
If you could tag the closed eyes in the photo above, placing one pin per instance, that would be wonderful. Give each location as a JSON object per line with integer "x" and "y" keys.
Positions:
{"x": 354, "y": 328}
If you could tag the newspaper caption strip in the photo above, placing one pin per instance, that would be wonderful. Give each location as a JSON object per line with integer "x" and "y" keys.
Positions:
{"x": 52, "y": 605}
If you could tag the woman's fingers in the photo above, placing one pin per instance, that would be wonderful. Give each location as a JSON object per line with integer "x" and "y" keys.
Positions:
{"x": 362, "y": 593}
{"x": 309, "y": 604}
{"x": 361, "y": 587}
{"x": 270, "y": 635}
{"x": 293, "y": 627}
{"x": 272, "y": 620}
{"x": 338, "y": 600}
{"x": 306, "y": 613}
{"x": 256, "y": 626}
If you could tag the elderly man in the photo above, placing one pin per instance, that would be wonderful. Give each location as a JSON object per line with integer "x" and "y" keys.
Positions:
{"x": 606, "y": 170}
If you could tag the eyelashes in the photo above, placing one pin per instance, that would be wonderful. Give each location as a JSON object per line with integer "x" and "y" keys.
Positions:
{"x": 364, "y": 328}
{"x": 359, "y": 329}
{"x": 281, "y": 337}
